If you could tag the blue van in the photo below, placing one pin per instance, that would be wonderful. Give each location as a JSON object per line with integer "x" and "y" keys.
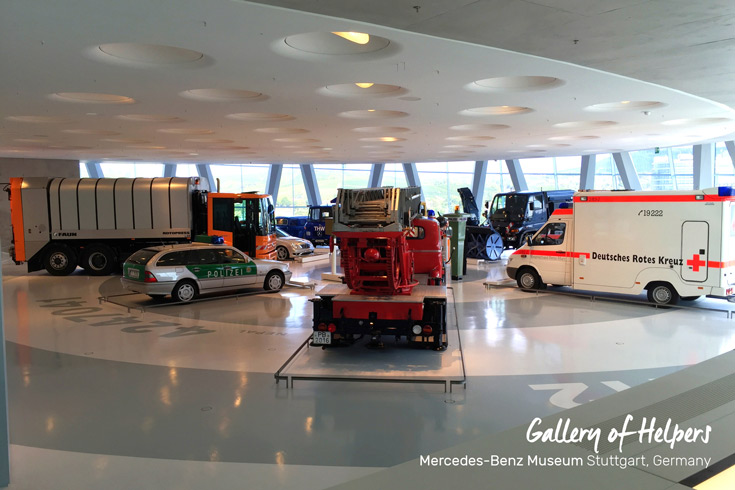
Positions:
{"x": 293, "y": 225}
{"x": 315, "y": 225}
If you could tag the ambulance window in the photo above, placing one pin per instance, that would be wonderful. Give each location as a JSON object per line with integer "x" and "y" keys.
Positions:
{"x": 551, "y": 234}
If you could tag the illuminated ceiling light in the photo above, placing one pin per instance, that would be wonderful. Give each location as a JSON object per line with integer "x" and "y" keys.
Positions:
{"x": 354, "y": 37}
{"x": 625, "y": 102}
{"x": 388, "y": 138}
{"x": 364, "y": 84}
{"x": 371, "y": 110}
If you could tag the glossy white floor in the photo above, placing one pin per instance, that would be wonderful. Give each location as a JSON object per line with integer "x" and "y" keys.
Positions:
{"x": 184, "y": 396}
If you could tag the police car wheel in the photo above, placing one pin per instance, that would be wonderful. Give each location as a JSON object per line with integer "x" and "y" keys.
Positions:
{"x": 185, "y": 291}
{"x": 662, "y": 294}
{"x": 528, "y": 279}
{"x": 60, "y": 260}
{"x": 282, "y": 253}
{"x": 274, "y": 281}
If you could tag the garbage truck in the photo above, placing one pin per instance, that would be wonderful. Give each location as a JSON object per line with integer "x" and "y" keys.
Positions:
{"x": 61, "y": 223}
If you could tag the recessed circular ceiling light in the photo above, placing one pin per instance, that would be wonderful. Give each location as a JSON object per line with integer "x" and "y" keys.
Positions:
{"x": 281, "y": 130}
{"x": 360, "y": 89}
{"x": 515, "y": 84}
{"x": 229, "y": 148}
{"x": 132, "y": 141}
{"x": 209, "y": 140}
{"x": 584, "y": 124}
{"x": 464, "y": 146}
{"x": 40, "y": 119}
{"x": 372, "y": 114}
{"x": 469, "y": 138}
{"x": 147, "y": 147}
{"x": 148, "y": 54}
{"x": 479, "y": 127}
{"x": 381, "y": 139}
{"x": 410, "y": 99}
{"x": 625, "y": 105}
{"x": 159, "y": 118}
{"x": 92, "y": 98}
{"x": 333, "y": 43}
{"x": 185, "y": 131}
{"x": 221, "y": 95}
{"x": 97, "y": 132}
{"x": 296, "y": 140}
{"x": 381, "y": 129}
{"x": 259, "y": 116}
{"x": 573, "y": 138}
{"x": 500, "y": 110}
{"x": 698, "y": 121}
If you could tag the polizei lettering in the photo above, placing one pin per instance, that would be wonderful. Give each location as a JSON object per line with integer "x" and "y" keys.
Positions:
{"x": 638, "y": 259}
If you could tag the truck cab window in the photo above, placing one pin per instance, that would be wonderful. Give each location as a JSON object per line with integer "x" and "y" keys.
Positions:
{"x": 551, "y": 234}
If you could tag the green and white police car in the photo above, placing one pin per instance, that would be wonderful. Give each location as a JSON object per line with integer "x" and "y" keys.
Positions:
{"x": 188, "y": 270}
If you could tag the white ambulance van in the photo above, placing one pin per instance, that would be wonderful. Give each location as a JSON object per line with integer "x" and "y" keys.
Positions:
{"x": 673, "y": 244}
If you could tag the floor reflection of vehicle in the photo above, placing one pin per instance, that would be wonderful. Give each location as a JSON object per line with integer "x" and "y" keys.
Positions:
{"x": 186, "y": 271}
{"x": 288, "y": 246}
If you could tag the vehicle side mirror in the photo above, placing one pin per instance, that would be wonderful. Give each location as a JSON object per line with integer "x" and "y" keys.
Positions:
{"x": 528, "y": 240}
{"x": 532, "y": 206}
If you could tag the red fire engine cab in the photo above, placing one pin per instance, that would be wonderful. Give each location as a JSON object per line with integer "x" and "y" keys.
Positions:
{"x": 387, "y": 249}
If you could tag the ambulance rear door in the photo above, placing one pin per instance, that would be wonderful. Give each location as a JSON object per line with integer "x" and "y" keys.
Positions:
{"x": 694, "y": 250}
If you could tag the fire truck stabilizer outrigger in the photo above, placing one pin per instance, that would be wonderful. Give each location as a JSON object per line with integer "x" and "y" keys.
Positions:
{"x": 384, "y": 242}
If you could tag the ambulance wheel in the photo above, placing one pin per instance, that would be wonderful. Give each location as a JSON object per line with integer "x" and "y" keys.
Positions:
{"x": 60, "y": 260}
{"x": 662, "y": 293}
{"x": 528, "y": 279}
{"x": 98, "y": 260}
{"x": 274, "y": 281}
{"x": 185, "y": 291}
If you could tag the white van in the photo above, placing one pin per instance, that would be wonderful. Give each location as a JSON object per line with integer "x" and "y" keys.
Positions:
{"x": 671, "y": 243}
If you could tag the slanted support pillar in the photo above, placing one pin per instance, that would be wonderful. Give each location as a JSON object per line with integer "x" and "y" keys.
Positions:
{"x": 412, "y": 177}
{"x": 730, "y": 145}
{"x": 169, "y": 170}
{"x": 627, "y": 171}
{"x": 274, "y": 181}
{"x": 587, "y": 173}
{"x": 704, "y": 166}
{"x": 94, "y": 169}
{"x": 312, "y": 189}
{"x": 376, "y": 175}
{"x": 205, "y": 172}
{"x": 516, "y": 175}
{"x": 478, "y": 182}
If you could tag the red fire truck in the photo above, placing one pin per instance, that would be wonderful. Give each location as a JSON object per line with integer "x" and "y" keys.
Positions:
{"x": 388, "y": 249}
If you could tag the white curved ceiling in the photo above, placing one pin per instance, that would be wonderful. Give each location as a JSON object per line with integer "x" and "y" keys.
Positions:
{"x": 214, "y": 81}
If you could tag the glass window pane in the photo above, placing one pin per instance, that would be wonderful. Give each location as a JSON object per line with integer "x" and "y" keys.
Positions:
{"x": 537, "y": 165}
{"x": 83, "y": 170}
{"x": 432, "y": 167}
{"x": 603, "y": 164}
{"x": 240, "y": 178}
{"x": 540, "y": 182}
{"x": 434, "y": 186}
{"x": 568, "y": 182}
{"x": 569, "y": 165}
{"x": 186, "y": 170}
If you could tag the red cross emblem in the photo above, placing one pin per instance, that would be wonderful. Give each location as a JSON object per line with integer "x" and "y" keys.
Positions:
{"x": 696, "y": 262}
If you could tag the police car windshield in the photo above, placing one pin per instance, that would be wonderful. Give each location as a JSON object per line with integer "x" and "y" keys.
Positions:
{"x": 141, "y": 257}
{"x": 508, "y": 205}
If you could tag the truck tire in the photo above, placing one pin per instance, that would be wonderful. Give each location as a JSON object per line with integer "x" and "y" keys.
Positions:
{"x": 99, "y": 260}
{"x": 528, "y": 278}
{"x": 662, "y": 293}
{"x": 60, "y": 260}
{"x": 274, "y": 281}
{"x": 282, "y": 253}
{"x": 185, "y": 291}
